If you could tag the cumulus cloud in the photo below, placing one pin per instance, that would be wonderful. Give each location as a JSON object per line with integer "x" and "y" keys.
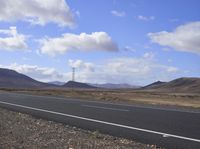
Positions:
{"x": 172, "y": 69}
{"x": 85, "y": 42}
{"x": 11, "y": 40}
{"x": 81, "y": 65}
{"x": 145, "y": 18}
{"x": 118, "y": 13}
{"x": 37, "y": 11}
{"x": 184, "y": 38}
{"x": 141, "y": 71}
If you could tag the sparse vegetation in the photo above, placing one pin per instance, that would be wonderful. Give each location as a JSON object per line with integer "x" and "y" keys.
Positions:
{"x": 185, "y": 100}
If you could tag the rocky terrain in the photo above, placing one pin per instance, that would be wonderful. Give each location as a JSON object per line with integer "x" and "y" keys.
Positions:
{"x": 21, "y": 131}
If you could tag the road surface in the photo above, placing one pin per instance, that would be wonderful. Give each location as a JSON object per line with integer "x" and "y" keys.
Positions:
{"x": 172, "y": 129}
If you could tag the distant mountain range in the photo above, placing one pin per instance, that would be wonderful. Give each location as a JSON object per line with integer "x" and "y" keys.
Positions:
{"x": 190, "y": 85}
{"x": 106, "y": 85}
{"x": 115, "y": 86}
{"x": 12, "y": 79}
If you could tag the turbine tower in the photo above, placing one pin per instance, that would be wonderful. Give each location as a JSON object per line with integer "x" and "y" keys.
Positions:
{"x": 73, "y": 73}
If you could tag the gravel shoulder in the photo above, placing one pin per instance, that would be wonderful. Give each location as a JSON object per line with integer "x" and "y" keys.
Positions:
{"x": 20, "y": 131}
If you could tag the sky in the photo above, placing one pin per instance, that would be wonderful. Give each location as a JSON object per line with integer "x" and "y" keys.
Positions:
{"x": 106, "y": 41}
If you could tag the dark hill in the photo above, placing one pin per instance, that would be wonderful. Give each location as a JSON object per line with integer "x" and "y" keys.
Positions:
{"x": 12, "y": 79}
{"x": 73, "y": 84}
{"x": 154, "y": 85}
{"x": 187, "y": 85}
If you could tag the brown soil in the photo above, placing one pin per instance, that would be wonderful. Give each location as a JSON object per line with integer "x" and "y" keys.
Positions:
{"x": 183, "y": 100}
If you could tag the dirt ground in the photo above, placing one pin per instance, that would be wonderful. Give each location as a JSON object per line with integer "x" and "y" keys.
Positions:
{"x": 184, "y": 100}
{"x": 22, "y": 131}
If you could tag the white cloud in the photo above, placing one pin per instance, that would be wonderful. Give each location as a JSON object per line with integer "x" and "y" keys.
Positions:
{"x": 11, "y": 40}
{"x": 85, "y": 66}
{"x": 172, "y": 69}
{"x": 183, "y": 38}
{"x": 85, "y": 42}
{"x": 127, "y": 70}
{"x": 37, "y": 11}
{"x": 145, "y": 18}
{"x": 118, "y": 13}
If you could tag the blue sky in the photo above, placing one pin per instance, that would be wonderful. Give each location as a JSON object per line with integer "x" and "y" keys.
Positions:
{"x": 115, "y": 41}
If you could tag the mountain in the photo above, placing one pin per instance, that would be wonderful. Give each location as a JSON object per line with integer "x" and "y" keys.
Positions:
{"x": 12, "y": 79}
{"x": 115, "y": 86}
{"x": 185, "y": 85}
{"x": 73, "y": 84}
{"x": 154, "y": 85}
{"x": 57, "y": 83}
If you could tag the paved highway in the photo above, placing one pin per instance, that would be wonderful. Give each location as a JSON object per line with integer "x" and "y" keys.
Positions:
{"x": 171, "y": 129}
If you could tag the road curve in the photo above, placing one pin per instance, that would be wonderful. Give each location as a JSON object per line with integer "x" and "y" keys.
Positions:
{"x": 171, "y": 129}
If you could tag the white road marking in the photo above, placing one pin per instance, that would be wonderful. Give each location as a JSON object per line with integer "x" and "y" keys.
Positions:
{"x": 104, "y": 122}
{"x": 106, "y": 108}
{"x": 166, "y": 135}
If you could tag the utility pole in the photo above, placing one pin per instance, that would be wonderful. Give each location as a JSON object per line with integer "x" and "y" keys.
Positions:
{"x": 73, "y": 73}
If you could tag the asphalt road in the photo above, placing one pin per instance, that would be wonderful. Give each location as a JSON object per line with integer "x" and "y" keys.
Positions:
{"x": 172, "y": 129}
